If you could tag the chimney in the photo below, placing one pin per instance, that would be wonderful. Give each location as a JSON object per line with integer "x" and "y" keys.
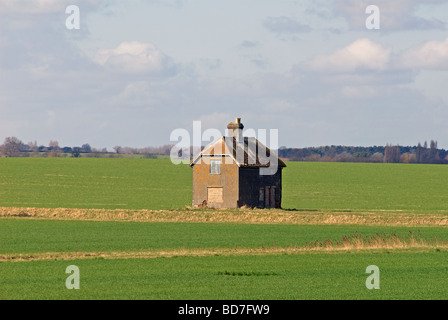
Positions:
{"x": 235, "y": 129}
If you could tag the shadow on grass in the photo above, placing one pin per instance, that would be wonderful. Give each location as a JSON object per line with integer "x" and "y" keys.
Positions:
{"x": 245, "y": 209}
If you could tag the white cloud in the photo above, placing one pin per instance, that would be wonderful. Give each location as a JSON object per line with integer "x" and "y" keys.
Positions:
{"x": 135, "y": 58}
{"x": 330, "y": 100}
{"x": 362, "y": 54}
{"x": 30, "y": 6}
{"x": 430, "y": 55}
{"x": 40, "y": 6}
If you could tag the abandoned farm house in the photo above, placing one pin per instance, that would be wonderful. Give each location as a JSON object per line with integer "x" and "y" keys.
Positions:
{"x": 228, "y": 173}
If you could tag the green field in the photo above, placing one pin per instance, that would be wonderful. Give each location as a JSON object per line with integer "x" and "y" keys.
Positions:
{"x": 158, "y": 184}
{"x": 408, "y": 275}
{"x": 234, "y": 259}
{"x": 93, "y": 183}
{"x": 34, "y": 236}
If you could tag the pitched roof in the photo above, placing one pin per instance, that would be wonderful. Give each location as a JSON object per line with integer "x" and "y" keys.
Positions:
{"x": 250, "y": 153}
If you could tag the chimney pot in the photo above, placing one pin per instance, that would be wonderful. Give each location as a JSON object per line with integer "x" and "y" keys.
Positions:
{"x": 235, "y": 129}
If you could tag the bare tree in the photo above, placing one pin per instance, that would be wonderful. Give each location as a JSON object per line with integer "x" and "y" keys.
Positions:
{"x": 12, "y": 147}
{"x": 433, "y": 152}
{"x": 53, "y": 144}
{"x": 33, "y": 146}
{"x": 419, "y": 153}
{"x": 377, "y": 157}
{"x": 392, "y": 154}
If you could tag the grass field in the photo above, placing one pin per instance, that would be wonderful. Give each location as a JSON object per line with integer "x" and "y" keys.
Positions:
{"x": 93, "y": 183}
{"x": 39, "y": 236}
{"x": 158, "y": 184}
{"x": 126, "y": 224}
{"x": 407, "y": 275}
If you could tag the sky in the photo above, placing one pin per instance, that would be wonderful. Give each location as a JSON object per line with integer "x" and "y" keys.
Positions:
{"x": 137, "y": 70}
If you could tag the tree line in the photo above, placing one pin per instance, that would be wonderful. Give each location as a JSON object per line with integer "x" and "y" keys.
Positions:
{"x": 422, "y": 153}
{"x": 14, "y": 147}
{"x": 389, "y": 154}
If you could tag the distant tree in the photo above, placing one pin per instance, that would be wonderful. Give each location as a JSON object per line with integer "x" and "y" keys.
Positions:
{"x": 12, "y": 147}
{"x": 377, "y": 157}
{"x": 314, "y": 157}
{"x": 392, "y": 154}
{"x": 423, "y": 154}
{"x": 419, "y": 153}
{"x": 405, "y": 158}
{"x": 361, "y": 154}
{"x": 53, "y": 145}
{"x": 76, "y": 152}
{"x": 54, "y": 153}
{"x": 343, "y": 157}
{"x": 433, "y": 152}
{"x": 117, "y": 149}
{"x": 33, "y": 146}
{"x": 86, "y": 148}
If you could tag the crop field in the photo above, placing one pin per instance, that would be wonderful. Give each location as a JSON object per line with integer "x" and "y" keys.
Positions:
{"x": 158, "y": 184}
{"x": 127, "y": 225}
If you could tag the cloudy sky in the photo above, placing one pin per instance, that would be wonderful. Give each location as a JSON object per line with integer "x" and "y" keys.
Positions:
{"x": 138, "y": 69}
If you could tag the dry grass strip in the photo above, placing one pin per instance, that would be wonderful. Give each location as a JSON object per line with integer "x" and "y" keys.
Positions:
{"x": 255, "y": 216}
{"x": 354, "y": 243}
{"x": 378, "y": 241}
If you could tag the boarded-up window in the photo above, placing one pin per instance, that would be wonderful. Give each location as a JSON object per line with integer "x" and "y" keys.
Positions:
{"x": 214, "y": 195}
{"x": 215, "y": 166}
